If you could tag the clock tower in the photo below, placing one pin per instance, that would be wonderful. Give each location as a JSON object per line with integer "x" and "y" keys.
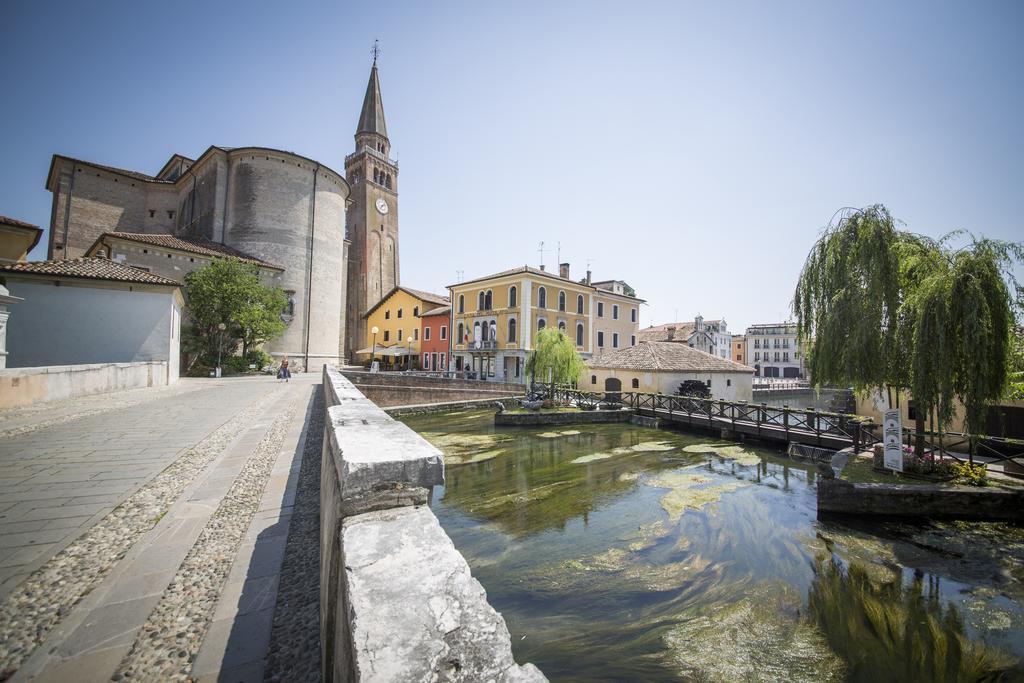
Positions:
{"x": 372, "y": 215}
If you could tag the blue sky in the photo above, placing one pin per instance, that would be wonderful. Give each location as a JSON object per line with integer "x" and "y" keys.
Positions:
{"x": 694, "y": 150}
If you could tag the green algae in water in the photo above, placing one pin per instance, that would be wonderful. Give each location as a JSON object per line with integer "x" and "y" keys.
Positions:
{"x": 685, "y": 493}
{"x": 576, "y": 548}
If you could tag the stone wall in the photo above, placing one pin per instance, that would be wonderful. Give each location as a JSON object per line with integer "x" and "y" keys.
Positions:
{"x": 914, "y": 500}
{"x": 399, "y": 389}
{"x": 397, "y": 600}
{"x": 24, "y": 386}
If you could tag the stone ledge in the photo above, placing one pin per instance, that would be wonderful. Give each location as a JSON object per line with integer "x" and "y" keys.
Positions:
{"x": 415, "y": 612}
{"x": 913, "y": 500}
{"x": 578, "y": 417}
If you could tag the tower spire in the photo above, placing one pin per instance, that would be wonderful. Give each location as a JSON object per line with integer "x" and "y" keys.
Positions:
{"x": 371, "y": 118}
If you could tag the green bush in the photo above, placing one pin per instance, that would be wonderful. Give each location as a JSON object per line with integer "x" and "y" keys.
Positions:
{"x": 973, "y": 475}
{"x": 259, "y": 358}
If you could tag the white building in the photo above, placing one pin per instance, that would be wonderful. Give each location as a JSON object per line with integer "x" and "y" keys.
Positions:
{"x": 92, "y": 310}
{"x": 709, "y": 336}
{"x": 773, "y": 351}
{"x": 660, "y": 367}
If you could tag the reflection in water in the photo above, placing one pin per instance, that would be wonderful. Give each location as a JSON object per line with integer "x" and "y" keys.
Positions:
{"x": 623, "y": 553}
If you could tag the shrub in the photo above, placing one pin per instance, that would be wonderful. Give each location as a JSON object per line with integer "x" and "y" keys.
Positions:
{"x": 972, "y": 475}
{"x": 259, "y": 358}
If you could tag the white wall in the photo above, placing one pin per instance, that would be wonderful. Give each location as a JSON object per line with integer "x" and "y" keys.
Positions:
{"x": 24, "y": 386}
{"x": 72, "y": 324}
{"x": 729, "y": 386}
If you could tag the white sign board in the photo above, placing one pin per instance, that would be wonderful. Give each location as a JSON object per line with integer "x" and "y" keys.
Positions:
{"x": 892, "y": 438}
{"x": 375, "y": 366}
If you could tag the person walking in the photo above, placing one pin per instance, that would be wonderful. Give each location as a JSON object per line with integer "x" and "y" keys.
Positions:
{"x": 284, "y": 373}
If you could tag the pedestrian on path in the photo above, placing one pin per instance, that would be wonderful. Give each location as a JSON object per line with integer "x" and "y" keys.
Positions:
{"x": 284, "y": 373}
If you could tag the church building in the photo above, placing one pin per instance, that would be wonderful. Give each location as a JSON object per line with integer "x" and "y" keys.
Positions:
{"x": 268, "y": 205}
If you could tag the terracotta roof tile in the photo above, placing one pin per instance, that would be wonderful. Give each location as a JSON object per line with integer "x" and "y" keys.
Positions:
{"x": 88, "y": 268}
{"x": 15, "y": 222}
{"x": 440, "y": 310}
{"x": 427, "y": 296}
{"x": 666, "y": 356}
{"x": 190, "y": 244}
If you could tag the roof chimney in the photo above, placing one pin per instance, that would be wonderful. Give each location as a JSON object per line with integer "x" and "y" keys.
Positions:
{"x": 588, "y": 277}
{"x": 563, "y": 270}
{"x": 542, "y": 266}
{"x": 101, "y": 253}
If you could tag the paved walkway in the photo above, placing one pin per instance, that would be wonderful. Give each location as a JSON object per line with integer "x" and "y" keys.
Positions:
{"x": 143, "y": 534}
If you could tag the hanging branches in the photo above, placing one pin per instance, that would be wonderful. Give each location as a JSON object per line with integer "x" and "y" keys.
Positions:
{"x": 886, "y": 309}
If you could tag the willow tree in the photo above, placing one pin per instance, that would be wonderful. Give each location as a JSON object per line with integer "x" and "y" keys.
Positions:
{"x": 554, "y": 358}
{"x": 884, "y": 309}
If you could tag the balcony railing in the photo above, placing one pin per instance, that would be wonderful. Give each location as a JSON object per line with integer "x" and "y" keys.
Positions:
{"x": 372, "y": 152}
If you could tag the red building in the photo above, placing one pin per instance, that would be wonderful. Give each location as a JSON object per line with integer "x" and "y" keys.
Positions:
{"x": 435, "y": 339}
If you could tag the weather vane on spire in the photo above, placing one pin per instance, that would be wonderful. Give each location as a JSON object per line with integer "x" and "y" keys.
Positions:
{"x": 376, "y": 50}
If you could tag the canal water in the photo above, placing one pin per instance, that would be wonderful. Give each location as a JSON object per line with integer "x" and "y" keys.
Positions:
{"x": 619, "y": 553}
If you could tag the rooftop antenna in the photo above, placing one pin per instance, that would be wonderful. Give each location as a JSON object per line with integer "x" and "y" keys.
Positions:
{"x": 376, "y": 50}
{"x": 458, "y": 275}
{"x": 541, "y": 250}
{"x": 558, "y": 253}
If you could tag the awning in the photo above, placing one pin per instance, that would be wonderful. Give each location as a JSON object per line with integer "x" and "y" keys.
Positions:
{"x": 385, "y": 351}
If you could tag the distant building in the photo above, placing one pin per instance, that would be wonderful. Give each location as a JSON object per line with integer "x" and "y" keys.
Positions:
{"x": 434, "y": 338}
{"x": 773, "y": 351}
{"x": 17, "y": 239}
{"x": 660, "y": 367}
{"x": 397, "y": 319}
{"x": 709, "y": 336}
{"x": 739, "y": 348}
{"x": 495, "y": 318}
{"x": 92, "y": 310}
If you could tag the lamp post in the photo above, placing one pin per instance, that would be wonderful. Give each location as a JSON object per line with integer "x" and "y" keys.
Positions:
{"x": 220, "y": 342}
{"x": 408, "y": 349}
{"x": 373, "y": 354}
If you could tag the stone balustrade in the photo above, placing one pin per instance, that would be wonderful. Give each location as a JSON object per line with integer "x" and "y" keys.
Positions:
{"x": 397, "y": 600}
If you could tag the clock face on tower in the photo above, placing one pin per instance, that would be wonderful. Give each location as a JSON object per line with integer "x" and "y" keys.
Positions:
{"x": 382, "y": 205}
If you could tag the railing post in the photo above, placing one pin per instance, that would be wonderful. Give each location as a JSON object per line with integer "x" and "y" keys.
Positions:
{"x": 785, "y": 420}
{"x": 761, "y": 412}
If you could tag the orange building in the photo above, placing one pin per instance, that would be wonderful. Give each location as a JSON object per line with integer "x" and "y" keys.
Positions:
{"x": 434, "y": 339}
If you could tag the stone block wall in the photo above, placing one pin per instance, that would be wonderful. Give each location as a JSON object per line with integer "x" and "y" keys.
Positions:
{"x": 397, "y": 600}
{"x": 914, "y": 500}
{"x": 24, "y": 386}
{"x": 389, "y": 389}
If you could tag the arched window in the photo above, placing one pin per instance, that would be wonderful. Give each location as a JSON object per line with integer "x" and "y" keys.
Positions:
{"x": 462, "y": 308}
{"x": 488, "y": 300}
{"x": 561, "y": 326}
{"x": 540, "y": 324}
{"x": 593, "y": 379}
{"x": 579, "y": 304}
{"x": 480, "y": 302}
{"x": 542, "y": 298}
{"x": 636, "y": 383}
{"x": 512, "y": 296}
{"x": 579, "y": 334}
{"x": 512, "y": 329}
{"x": 561, "y": 301}
{"x": 462, "y": 335}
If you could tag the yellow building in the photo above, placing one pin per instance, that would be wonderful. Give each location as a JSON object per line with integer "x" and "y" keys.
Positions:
{"x": 393, "y": 326}
{"x": 496, "y": 318}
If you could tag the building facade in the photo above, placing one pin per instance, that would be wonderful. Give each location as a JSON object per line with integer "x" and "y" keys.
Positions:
{"x": 709, "y": 336}
{"x": 739, "y": 348}
{"x": 495, "y": 319}
{"x": 774, "y": 352}
{"x": 434, "y": 339}
{"x": 92, "y": 310}
{"x": 17, "y": 239}
{"x": 660, "y": 367}
{"x": 397, "y": 321}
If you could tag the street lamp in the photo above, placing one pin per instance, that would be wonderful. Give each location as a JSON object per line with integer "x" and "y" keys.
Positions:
{"x": 220, "y": 343}
{"x": 408, "y": 349}
{"x": 373, "y": 353}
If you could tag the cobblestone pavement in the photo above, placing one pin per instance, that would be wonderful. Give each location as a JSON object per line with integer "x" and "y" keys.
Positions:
{"x": 128, "y": 510}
